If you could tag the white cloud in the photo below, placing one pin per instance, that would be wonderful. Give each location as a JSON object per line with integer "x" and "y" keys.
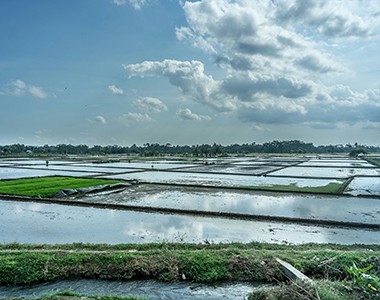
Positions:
{"x": 246, "y": 36}
{"x": 136, "y": 4}
{"x": 119, "y": 2}
{"x": 20, "y": 88}
{"x": 274, "y": 58}
{"x": 276, "y": 61}
{"x": 100, "y": 119}
{"x": 187, "y": 115}
{"x": 37, "y": 92}
{"x": 129, "y": 118}
{"x": 329, "y": 18}
{"x": 17, "y": 88}
{"x": 115, "y": 90}
{"x": 189, "y": 77}
{"x": 150, "y": 104}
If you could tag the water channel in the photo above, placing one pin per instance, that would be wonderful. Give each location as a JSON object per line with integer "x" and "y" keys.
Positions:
{"x": 152, "y": 289}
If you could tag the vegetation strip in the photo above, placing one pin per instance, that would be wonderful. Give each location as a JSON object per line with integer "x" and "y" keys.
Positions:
{"x": 339, "y": 266}
{"x": 48, "y": 186}
{"x": 228, "y": 215}
{"x": 345, "y": 185}
{"x": 374, "y": 161}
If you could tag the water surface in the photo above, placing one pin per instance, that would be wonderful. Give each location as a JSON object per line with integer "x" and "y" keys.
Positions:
{"x": 317, "y": 207}
{"x": 151, "y": 289}
{"x": 56, "y": 224}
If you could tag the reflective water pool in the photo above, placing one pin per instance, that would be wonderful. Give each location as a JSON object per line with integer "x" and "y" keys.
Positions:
{"x": 344, "y": 209}
{"x": 364, "y": 186}
{"x": 327, "y": 172}
{"x": 13, "y": 173}
{"x": 220, "y": 179}
{"x": 56, "y": 224}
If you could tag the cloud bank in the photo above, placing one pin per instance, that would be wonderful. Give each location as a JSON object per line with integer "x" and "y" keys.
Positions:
{"x": 277, "y": 70}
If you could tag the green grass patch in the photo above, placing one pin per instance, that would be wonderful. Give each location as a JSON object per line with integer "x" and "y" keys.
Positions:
{"x": 48, "y": 186}
{"x": 201, "y": 264}
{"x": 331, "y": 188}
{"x": 374, "y": 161}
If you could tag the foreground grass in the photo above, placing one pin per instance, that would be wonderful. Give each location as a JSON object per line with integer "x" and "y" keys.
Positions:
{"x": 48, "y": 186}
{"x": 27, "y": 264}
{"x": 321, "y": 290}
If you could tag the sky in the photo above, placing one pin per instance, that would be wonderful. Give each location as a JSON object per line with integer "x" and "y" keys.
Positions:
{"x": 123, "y": 72}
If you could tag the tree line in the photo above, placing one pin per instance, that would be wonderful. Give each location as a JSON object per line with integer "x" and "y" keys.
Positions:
{"x": 202, "y": 150}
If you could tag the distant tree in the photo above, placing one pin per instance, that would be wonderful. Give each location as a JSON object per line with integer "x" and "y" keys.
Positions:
{"x": 356, "y": 152}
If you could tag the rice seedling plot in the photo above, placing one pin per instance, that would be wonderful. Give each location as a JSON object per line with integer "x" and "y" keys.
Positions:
{"x": 47, "y": 186}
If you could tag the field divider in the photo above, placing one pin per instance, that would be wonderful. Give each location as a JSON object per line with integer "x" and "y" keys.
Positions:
{"x": 191, "y": 212}
{"x": 345, "y": 184}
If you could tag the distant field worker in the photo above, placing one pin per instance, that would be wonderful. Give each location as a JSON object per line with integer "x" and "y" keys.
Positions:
{"x": 47, "y": 163}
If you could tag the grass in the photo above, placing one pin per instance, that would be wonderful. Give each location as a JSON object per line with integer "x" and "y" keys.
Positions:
{"x": 184, "y": 246}
{"x": 321, "y": 290}
{"x": 331, "y": 188}
{"x": 48, "y": 186}
{"x": 167, "y": 262}
{"x": 375, "y": 161}
{"x": 325, "y": 264}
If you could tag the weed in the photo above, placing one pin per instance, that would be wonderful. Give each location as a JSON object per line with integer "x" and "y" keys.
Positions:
{"x": 368, "y": 284}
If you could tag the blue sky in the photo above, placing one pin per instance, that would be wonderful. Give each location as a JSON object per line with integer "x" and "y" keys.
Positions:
{"x": 189, "y": 72}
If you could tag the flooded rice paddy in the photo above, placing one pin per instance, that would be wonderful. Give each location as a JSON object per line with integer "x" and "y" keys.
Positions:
{"x": 337, "y": 172}
{"x": 344, "y": 209}
{"x": 31, "y": 222}
{"x": 57, "y": 224}
{"x": 220, "y": 180}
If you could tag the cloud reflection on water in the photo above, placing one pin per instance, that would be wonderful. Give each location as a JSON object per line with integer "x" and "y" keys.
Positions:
{"x": 26, "y": 224}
